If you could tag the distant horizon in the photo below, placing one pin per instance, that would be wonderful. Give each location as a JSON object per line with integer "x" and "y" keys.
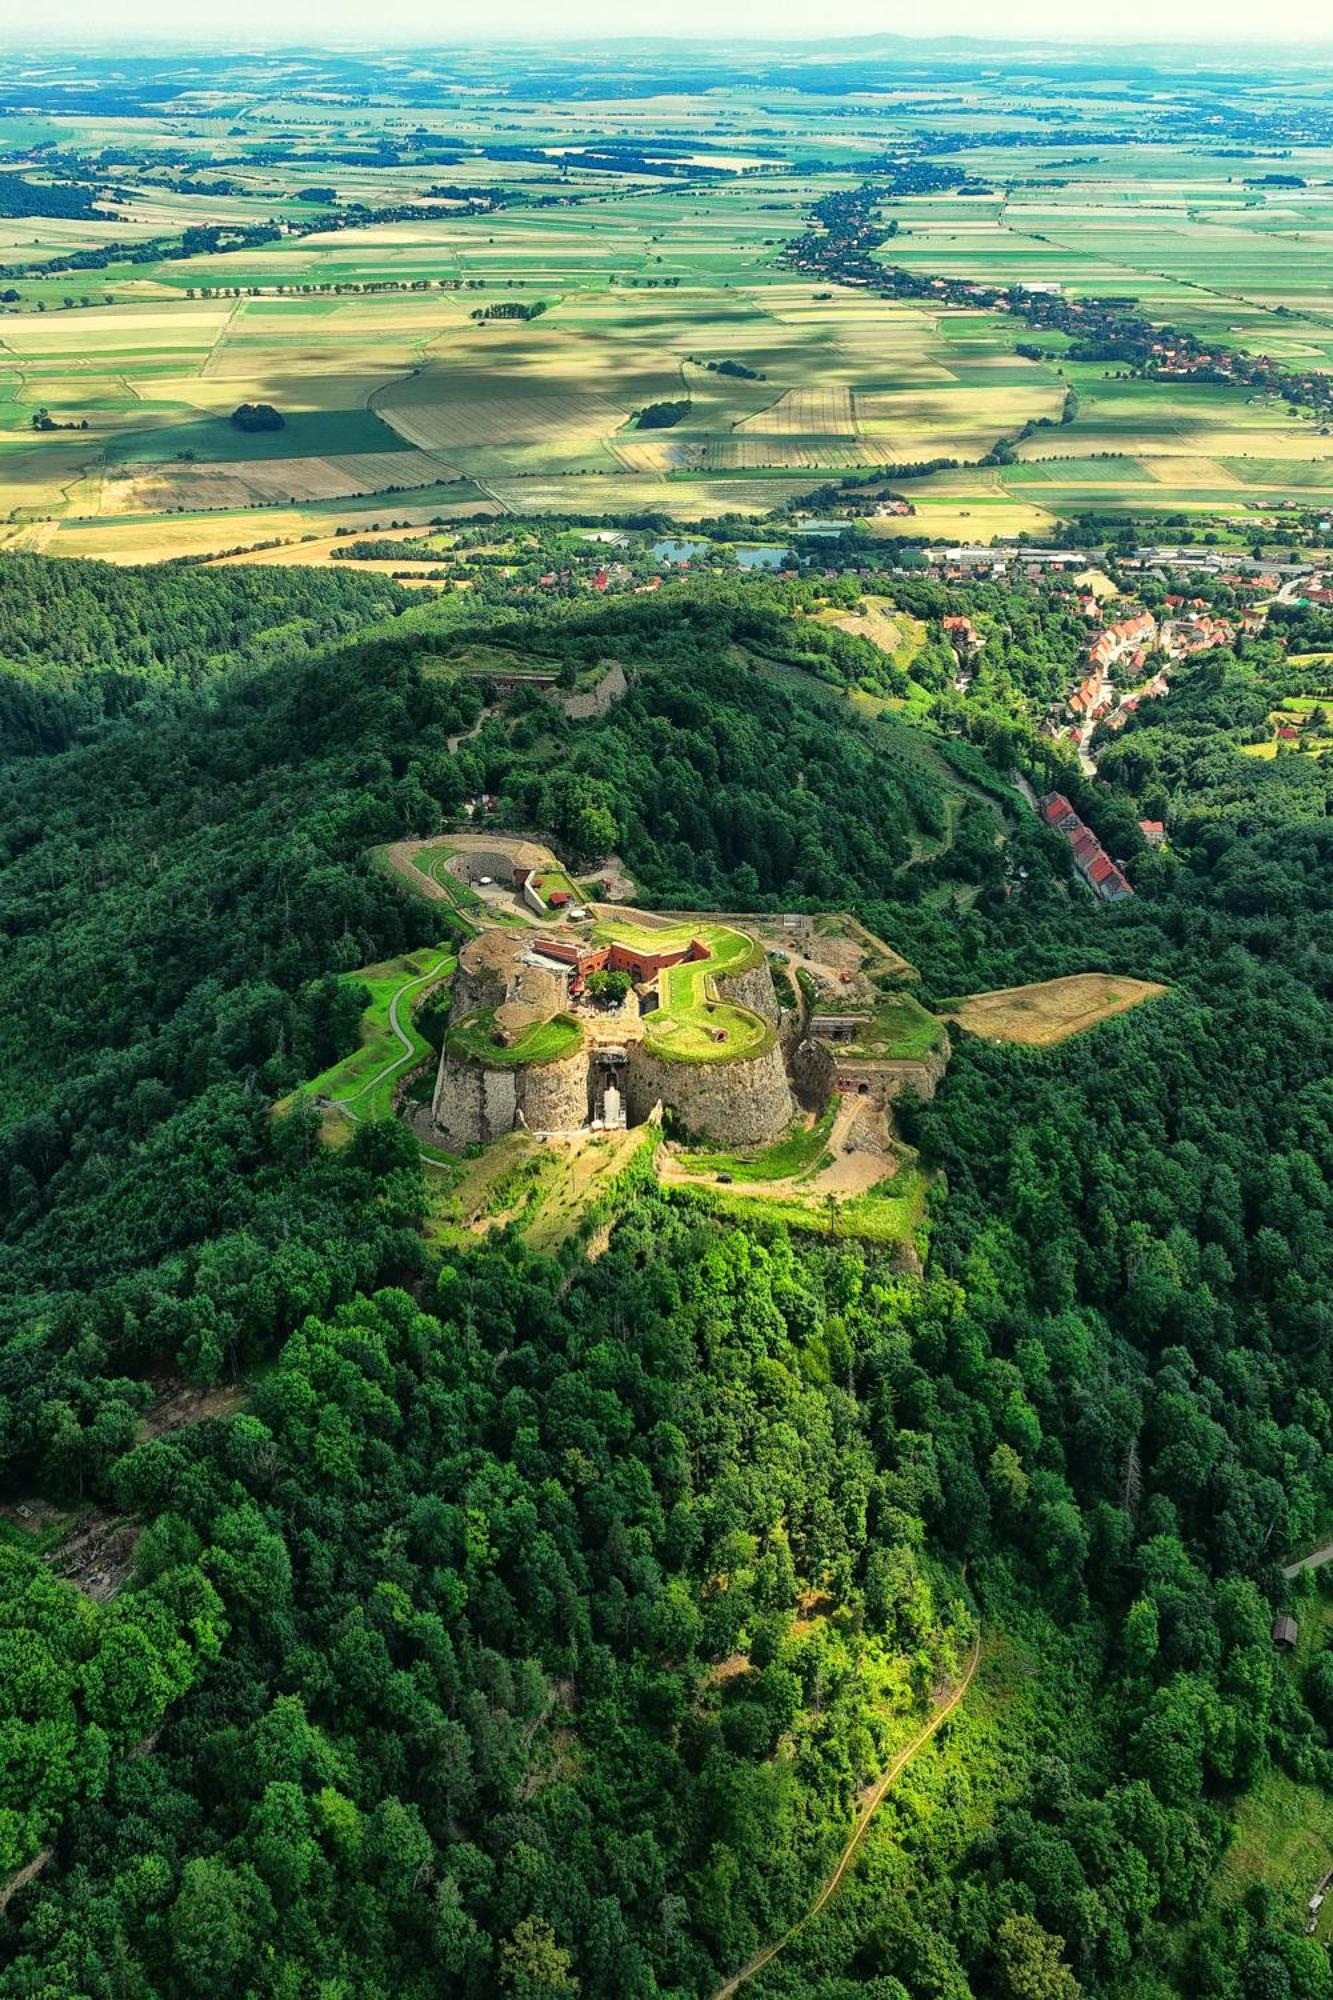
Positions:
{"x": 250, "y": 24}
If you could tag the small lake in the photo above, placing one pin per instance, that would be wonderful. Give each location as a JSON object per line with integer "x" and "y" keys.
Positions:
{"x": 750, "y": 555}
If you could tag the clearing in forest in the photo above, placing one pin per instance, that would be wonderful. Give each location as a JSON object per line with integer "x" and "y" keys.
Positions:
{"x": 1052, "y": 1010}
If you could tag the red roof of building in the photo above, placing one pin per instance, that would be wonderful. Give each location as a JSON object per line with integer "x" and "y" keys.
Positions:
{"x": 1054, "y": 807}
{"x": 1102, "y": 869}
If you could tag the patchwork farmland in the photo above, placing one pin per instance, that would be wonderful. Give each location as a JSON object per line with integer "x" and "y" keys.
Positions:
{"x": 484, "y": 335}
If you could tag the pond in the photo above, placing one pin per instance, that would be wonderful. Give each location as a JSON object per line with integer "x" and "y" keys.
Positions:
{"x": 750, "y": 555}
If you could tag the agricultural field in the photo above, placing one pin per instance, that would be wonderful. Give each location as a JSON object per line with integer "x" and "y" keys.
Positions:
{"x": 1177, "y": 228}
{"x": 451, "y": 320}
{"x": 1301, "y": 723}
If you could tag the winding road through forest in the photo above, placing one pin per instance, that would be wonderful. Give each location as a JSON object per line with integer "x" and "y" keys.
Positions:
{"x": 874, "y": 1799}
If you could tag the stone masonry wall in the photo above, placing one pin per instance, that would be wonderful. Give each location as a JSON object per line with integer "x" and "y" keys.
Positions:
{"x": 553, "y": 1097}
{"x": 731, "y": 1103}
{"x": 475, "y": 1104}
{"x": 753, "y": 989}
{"x": 814, "y": 1072}
{"x": 886, "y": 1080}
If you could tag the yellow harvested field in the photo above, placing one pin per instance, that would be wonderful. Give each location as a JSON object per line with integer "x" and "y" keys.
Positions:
{"x": 824, "y": 412}
{"x": 110, "y": 329}
{"x": 256, "y": 482}
{"x": 1040, "y": 1016}
{"x": 510, "y": 384}
{"x": 129, "y": 538}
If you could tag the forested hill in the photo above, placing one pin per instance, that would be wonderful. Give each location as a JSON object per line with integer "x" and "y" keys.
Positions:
{"x": 533, "y": 1626}
{"x": 84, "y": 642}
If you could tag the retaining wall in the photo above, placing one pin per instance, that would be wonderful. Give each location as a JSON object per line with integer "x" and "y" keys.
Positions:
{"x": 814, "y": 1073}
{"x": 752, "y": 989}
{"x": 883, "y": 1081}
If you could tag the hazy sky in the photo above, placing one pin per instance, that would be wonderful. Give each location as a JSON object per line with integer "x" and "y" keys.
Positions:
{"x": 443, "y": 21}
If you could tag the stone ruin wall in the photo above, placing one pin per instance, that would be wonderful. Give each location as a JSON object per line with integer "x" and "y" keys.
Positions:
{"x": 611, "y": 688}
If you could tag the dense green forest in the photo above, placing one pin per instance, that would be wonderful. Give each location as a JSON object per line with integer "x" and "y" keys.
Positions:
{"x": 84, "y": 642}
{"x": 533, "y": 1626}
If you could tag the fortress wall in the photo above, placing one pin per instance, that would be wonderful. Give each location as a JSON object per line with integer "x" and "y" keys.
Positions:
{"x": 553, "y": 1097}
{"x": 471, "y": 863}
{"x": 499, "y": 1101}
{"x": 886, "y": 1080}
{"x": 456, "y": 1108}
{"x": 476, "y": 992}
{"x": 474, "y": 1105}
{"x": 753, "y": 989}
{"x": 814, "y": 1073}
{"x": 731, "y": 1103}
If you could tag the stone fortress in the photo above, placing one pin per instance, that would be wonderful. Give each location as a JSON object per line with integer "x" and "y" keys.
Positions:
{"x": 701, "y": 1030}
{"x": 528, "y": 1046}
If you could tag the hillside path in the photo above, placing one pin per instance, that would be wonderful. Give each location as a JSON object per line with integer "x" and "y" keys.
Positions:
{"x": 874, "y": 1800}
{"x": 1315, "y": 1560}
{"x": 344, "y": 1104}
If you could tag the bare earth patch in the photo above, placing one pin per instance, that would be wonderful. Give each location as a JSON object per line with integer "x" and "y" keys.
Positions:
{"x": 1051, "y": 1011}
{"x": 97, "y": 1554}
{"x": 176, "y": 1404}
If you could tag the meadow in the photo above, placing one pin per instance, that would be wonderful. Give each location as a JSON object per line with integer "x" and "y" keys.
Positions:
{"x": 362, "y": 1085}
